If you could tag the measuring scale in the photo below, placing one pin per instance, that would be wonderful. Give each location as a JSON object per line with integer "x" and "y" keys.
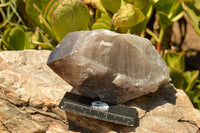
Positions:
{"x": 86, "y": 106}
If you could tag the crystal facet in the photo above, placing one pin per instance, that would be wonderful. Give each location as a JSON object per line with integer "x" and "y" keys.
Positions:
{"x": 111, "y": 66}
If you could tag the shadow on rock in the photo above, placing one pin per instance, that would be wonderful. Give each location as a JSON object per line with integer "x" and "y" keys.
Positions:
{"x": 165, "y": 94}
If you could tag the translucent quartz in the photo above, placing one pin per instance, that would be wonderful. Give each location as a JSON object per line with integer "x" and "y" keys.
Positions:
{"x": 111, "y": 66}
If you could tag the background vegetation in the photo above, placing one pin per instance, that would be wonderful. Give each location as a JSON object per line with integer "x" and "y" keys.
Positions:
{"x": 41, "y": 24}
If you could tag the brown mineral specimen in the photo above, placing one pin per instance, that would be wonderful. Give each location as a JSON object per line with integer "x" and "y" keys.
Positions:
{"x": 114, "y": 67}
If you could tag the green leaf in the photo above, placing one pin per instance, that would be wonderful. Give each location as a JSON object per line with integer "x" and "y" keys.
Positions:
{"x": 106, "y": 16}
{"x": 175, "y": 60}
{"x": 96, "y": 4}
{"x": 177, "y": 77}
{"x": 195, "y": 97}
{"x": 111, "y": 5}
{"x": 127, "y": 16}
{"x": 38, "y": 38}
{"x": 98, "y": 14}
{"x": 15, "y": 38}
{"x": 47, "y": 8}
{"x": 137, "y": 29}
{"x": 194, "y": 15}
{"x": 105, "y": 21}
{"x": 129, "y": 1}
{"x": 190, "y": 80}
{"x": 197, "y": 4}
{"x": 100, "y": 25}
{"x": 29, "y": 44}
{"x": 51, "y": 10}
{"x": 141, "y": 4}
{"x": 169, "y": 11}
{"x": 69, "y": 16}
{"x": 35, "y": 10}
{"x": 164, "y": 20}
{"x": 6, "y": 35}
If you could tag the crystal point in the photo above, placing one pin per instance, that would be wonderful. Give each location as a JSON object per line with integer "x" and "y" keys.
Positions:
{"x": 114, "y": 67}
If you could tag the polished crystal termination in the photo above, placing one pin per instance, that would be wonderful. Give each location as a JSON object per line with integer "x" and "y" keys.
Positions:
{"x": 111, "y": 66}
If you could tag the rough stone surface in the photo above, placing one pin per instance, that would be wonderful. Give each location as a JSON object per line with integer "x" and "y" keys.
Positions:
{"x": 114, "y": 67}
{"x": 168, "y": 110}
{"x": 30, "y": 92}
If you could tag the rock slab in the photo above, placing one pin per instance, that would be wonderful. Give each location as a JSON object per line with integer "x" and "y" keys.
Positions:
{"x": 111, "y": 66}
{"x": 30, "y": 93}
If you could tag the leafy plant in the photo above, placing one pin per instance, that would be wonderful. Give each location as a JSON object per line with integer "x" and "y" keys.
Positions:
{"x": 57, "y": 18}
{"x": 185, "y": 80}
{"x": 14, "y": 33}
{"x": 16, "y": 39}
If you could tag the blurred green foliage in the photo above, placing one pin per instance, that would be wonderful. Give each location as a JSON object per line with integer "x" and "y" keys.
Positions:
{"x": 185, "y": 80}
{"x": 53, "y": 19}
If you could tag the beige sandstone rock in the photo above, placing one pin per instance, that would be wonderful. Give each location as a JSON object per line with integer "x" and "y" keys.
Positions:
{"x": 30, "y": 92}
{"x": 114, "y": 67}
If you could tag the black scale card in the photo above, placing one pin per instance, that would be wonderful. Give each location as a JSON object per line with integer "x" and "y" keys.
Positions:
{"x": 115, "y": 113}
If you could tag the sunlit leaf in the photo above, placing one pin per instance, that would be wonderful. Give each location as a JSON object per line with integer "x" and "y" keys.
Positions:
{"x": 105, "y": 21}
{"x": 190, "y": 78}
{"x": 127, "y": 16}
{"x": 137, "y": 29}
{"x": 169, "y": 11}
{"x": 38, "y": 38}
{"x": 141, "y": 4}
{"x": 35, "y": 10}
{"x": 175, "y": 60}
{"x": 194, "y": 15}
{"x": 96, "y": 4}
{"x": 197, "y": 4}
{"x": 69, "y": 16}
{"x": 111, "y": 5}
{"x": 16, "y": 38}
{"x": 29, "y": 44}
{"x": 51, "y": 10}
{"x": 100, "y": 25}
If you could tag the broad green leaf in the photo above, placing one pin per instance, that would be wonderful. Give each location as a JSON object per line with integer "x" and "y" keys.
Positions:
{"x": 38, "y": 38}
{"x": 127, "y": 16}
{"x": 96, "y": 4}
{"x": 106, "y": 16}
{"x": 195, "y": 97}
{"x": 141, "y": 4}
{"x": 169, "y": 11}
{"x": 190, "y": 80}
{"x": 6, "y": 34}
{"x": 51, "y": 10}
{"x": 194, "y": 15}
{"x": 175, "y": 60}
{"x": 197, "y": 4}
{"x": 69, "y": 16}
{"x": 35, "y": 9}
{"x": 177, "y": 77}
{"x": 111, "y": 5}
{"x": 16, "y": 38}
{"x": 137, "y": 29}
{"x": 98, "y": 14}
{"x": 165, "y": 5}
{"x": 100, "y": 25}
{"x": 164, "y": 20}
{"x": 29, "y": 44}
{"x": 46, "y": 10}
{"x": 129, "y": 1}
{"x": 105, "y": 21}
